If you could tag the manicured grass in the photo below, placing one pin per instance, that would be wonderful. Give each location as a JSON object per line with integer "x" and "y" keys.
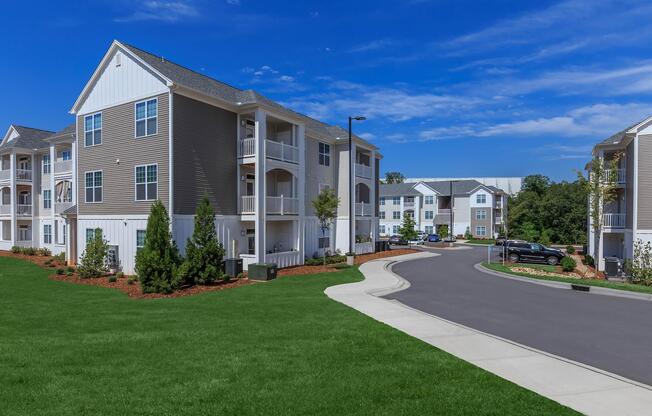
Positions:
{"x": 276, "y": 348}
{"x": 588, "y": 282}
{"x": 485, "y": 242}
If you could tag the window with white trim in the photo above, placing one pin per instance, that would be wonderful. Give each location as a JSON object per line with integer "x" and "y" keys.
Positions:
{"x": 481, "y": 214}
{"x": 381, "y": 200}
{"x": 146, "y": 182}
{"x": 66, "y": 155}
{"x": 93, "y": 130}
{"x": 395, "y": 229}
{"x": 140, "y": 239}
{"x": 396, "y": 215}
{"x": 428, "y": 229}
{"x": 146, "y": 118}
{"x": 429, "y": 215}
{"x": 47, "y": 164}
{"x": 94, "y": 188}
{"x": 47, "y": 199}
{"x": 90, "y": 233}
{"x": 481, "y": 198}
{"x": 382, "y": 215}
{"x": 428, "y": 200}
{"x": 381, "y": 229}
{"x": 396, "y": 200}
{"x": 47, "y": 233}
{"x": 481, "y": 231}
{"x": 324, "y": 154}
{"x": 324, "y": 242}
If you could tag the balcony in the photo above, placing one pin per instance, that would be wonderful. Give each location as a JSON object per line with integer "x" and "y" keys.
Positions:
{"x": 614, "y": 220}
{"x": 24, "y": 175}
{"x": 63, "y": 166}
{"x": 364, "y": 209}
{"x": 247, "y": 148}
{"x": 284, "y": 258}
{"x": 281, "y": 151}
{"x": 23, "y": 210}
{"x": 5, "y": 209}
{"x": 5, "y": 175}
{"x": 408, "y": 204}
{"x": 248, "y": 204}
{"x": 620, "y": 175}
{"x": 282, "y": 205}
{"x": 59, "y": 207}
{"x": 363, "y": 171}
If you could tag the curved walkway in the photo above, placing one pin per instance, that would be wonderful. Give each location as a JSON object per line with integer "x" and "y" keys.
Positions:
{"x": 584, "y": 388}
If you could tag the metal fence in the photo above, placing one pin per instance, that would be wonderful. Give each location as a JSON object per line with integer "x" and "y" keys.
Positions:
{"x": 495, "y": 254}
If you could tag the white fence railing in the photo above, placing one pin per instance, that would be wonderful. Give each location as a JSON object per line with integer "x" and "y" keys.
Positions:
{"x": 621, "y": 175}
{"x": 444, "y": 211}
{"x": 282, "y": 151}
{"x": 63, "y": 166}
{"x": 282, "y": 205}
{"x": 248, "y": 204}
{"x": 362, "y": 171}
{"x": 24, "y": 210}
{"x": 5, "y": 175}
{"x": 23, "y": 175}
{"x": 614, "y": 220}
{"x": 247, "y": 147}
{"x": 59, "y": 207}
{"x": 363, "y": 209}
{"x": 5, "y": 209}
{"x": 364, "y": 248}
{"x": 284, "y": 258}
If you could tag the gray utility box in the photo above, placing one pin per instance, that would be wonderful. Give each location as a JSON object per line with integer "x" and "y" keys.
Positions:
{"x": 233, "y": 267}
{"x": 262, "y": 271}
{"x": 612, "y": 266}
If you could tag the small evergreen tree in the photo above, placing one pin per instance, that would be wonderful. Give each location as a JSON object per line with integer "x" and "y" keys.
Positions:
{"x": 442, "y": 231}
{"x": 93, "y": 262}
{"x": 204, "y": 253}
{"x": 407, "y": 230}
{"x": 325, "y": 206}
{"x": 157, "y": 261}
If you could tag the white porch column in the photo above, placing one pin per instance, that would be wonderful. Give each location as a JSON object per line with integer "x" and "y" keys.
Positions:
{"x": 372, "y": 199}
{"x": 261, "y": 191}
{"x": 300, "y": 138}
{"x": 417, "y": 212}
{"x": 53, "y": 197}
{"x": 35, "y": 233}
{"x": 353, "y": 198}
{"x": 12, "y": 196}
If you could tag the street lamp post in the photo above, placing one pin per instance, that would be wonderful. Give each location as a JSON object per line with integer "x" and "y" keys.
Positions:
{"x": 450, "y": 231}
{"x": 351, "y": 179}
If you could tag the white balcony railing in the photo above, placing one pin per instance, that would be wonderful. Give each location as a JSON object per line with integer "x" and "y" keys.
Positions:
{"x": 408, "y": 204}
{"x": 247, "y": 148}
{"x": 63, "y": 166}
{"x": 59, "y": 207}
{"x": 284, "y": 258}
{"x": 23, "y": 175}
{"x": 248, "y": 204}
{"x": 499, "y": 220}
{"x": 614, "y": 220}
{"x": 364, "y": 248}
{"x": 5, "y": 209}
{"x": 444, "y": 211}
{"x": 621, "y": 175}
{"x": 282, "y": 205}
{"x": 5, "y": 175}
{"x": 282, "y": 151}
{"x": 363, "y": 171}
{"x": 363, "y": 209}
{"x": 24, "y": 210}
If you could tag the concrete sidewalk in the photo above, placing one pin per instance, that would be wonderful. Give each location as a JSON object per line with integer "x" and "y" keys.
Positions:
{"x": 581, "y": 387}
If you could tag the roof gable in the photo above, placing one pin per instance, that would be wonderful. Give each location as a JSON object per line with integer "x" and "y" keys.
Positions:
{"x": 25, "y": 138}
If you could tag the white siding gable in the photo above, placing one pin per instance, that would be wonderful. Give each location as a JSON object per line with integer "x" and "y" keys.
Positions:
{"x": 11, "y": 134}
{"x": 473, "y": 200}
{"x": 424, "y": 189}
{"x": 119, "y": 84}
{"x": 646, "y": 130}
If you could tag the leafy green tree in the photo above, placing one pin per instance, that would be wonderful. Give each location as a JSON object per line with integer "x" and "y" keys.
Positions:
{"x": 538, "y": 184}
{"x": 158, "y": 260}
{"x": 93, "y": 262}
{"x": 407, "y": 231}
{"x": 394, "y": 177}
{"x": 204, "y": 253}
{"x": 325, "y": 206}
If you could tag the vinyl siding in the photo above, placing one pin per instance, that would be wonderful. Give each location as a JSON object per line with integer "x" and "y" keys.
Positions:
{"x": 205, "y": 156}
{"x": 377, "y": 187}
{"x": 119, "y": 143}
{"x": 486, "y": 222}
{"x": 644, "y": 182}
{"x": 316, "y": 174}
{"x": 629, "y": 186}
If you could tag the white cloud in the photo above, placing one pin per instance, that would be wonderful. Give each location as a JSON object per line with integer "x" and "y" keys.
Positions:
{"x": 233, "y": 2}
{"x": 367, "y": 136}
{"x": 163, "y": 11}
{"x": 373, "y": 45}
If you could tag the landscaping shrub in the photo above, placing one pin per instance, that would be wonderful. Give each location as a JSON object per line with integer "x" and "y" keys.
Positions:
{"x": 94, "y": 258}
{"x": 113, "y": 279}
{"x": 204, "y": 253}
{"x": 467, "y": 234}
{"x": 158, "y": 260}
{"x": 30, "y": 251}
{"x": 70, "y": 269}
{"x": 45, "y": 252}
{"x": 340, "y": 266}
{"x": 120, "y": 275}
{"x": 61, "y": 257}
{"x": 641, "y": 267}
{"x": 328, "y": 260}
{"x": 16, "y": 249}
{"x": 48, "y": 262}
{"x": 69, "y": 273}
{"x": 241, "y": 275}
{"x": 568, "y": 264}
{"x": 60, "y": 271}
{"x": 131, "y": 281}
{"x": 588, "y": 260}
{"x": 570, "y": 249}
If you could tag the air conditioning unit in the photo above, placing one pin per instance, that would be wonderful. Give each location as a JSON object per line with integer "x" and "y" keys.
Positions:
{"x": 113, "y": 259}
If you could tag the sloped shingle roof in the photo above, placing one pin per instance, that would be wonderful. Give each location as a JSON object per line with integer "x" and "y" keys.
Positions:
{"x": 28, "y": 138}
{"x": 442, "y": 187}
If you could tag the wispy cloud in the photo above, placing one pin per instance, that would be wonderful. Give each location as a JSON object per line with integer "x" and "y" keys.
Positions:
{"x": 162, "y": 11}
{"x": 373, "y": 45}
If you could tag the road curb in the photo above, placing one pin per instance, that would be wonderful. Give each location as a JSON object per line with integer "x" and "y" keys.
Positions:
{"x": 596, "y": 290}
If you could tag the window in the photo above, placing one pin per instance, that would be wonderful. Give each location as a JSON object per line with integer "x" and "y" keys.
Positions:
{"x": 47, "y": 165}
{"x": 47, "y": 199}
{"x": 481, "y": 198}
{"x": 428, "y": 229}
{"x": 324, "y": 242}
{"x": 90, "y": 233}
{"x": 66, "y": 155}
{"x": 396, "y": 200}
{"x": 93, "y": 130}
{"x": 94, "y": 186}
{"x": 146, "y": 182}
{"x": 323, "y": 186}
{"x": 481, "y": 214}
{"x": 324, "y": 154}
{"x": 395, "y": 229}
{"x": 429, "y": 215}
{"x": 396, "y": 215}
{"x": 481, "y": 231}
{"x": 382, "y": 215}
{"x": 47, "y": 234}
{"x": 381, "y": 229}
{"x": 429, "y": 200}
{"x": 140, "y": 240}
{"x": 409, "y": 199}
{"x": 146, "y": 117}
{"x": 382, "y": 200}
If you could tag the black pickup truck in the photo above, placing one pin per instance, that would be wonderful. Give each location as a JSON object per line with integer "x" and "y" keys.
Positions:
{"x": 521, "y": 251}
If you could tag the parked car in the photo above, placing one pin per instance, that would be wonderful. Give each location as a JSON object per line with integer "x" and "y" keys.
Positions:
{"x": 422, "y": 236}
{"x": 450, "y": 239}
{"x": 500, "y": 240}
{"x": 397, "y": 240}
{"x": 433, "y": 238}
{"x": 522, "y": 251}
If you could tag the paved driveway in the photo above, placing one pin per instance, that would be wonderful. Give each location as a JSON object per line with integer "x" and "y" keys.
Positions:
{"x": 610, "y": 333}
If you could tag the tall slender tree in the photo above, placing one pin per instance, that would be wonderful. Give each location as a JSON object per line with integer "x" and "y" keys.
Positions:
{"x": 204, "y": 252}
{"x": 325, "y": 206}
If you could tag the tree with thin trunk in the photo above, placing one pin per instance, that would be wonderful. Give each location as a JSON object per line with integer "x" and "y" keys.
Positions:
{"x": 407, "y": 231}
{"x": 325, "y": 206}
{"x": 394, "y": 177}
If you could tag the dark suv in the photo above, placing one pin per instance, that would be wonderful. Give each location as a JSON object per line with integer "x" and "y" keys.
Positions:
{"x": 532, "y": 252}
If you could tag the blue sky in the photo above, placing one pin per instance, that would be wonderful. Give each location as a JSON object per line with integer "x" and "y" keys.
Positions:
{"x": 450, "y": 88}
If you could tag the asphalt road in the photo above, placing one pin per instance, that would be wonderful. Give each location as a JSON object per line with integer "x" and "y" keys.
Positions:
{"x": 610, "y": 333}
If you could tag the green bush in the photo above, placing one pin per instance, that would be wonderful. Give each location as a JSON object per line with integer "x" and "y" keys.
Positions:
{"x": 16, "y": 249}
{"x": 30, "y": 251}
{"x": 131, "y": 281}
{"x": 241, "y": 275}
{"x": 44, "y": 252}
{"x": 70, "y": 269}
{"x": 61, "y": 257}
{"x": 69, "y": 273}
{"x": 113, "y": 279}
{"x": 340, "y": 266}
{"x": 568, "y": 264}
{"x": 120, "y": 275}
{"x": 570, "y": 249}
{"x": 588, "y": 260}
{"x": 93, "y": 260}
{"x": 329, "y": 260}
{"x": 158, "y": 260}
{"x": 60, "y": 271}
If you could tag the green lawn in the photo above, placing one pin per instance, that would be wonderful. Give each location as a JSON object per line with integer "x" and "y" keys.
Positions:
{"x": 275, "y": 348}
{"x": 588, "y": 282}
{"x": 485, "y": 242}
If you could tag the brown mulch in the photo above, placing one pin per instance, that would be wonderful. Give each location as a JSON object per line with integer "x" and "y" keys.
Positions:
{"x": 38, "y": 260}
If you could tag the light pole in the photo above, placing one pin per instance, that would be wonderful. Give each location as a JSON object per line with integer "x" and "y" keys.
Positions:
{"x": 450, "y": 231}
{"x": 351, "y": 179}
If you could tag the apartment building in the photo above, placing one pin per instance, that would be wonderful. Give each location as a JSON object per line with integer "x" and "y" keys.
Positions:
{"x": 37, "y": 185}
{"x": 511, "y": 185}
{"x": 467, "y": 204}
{"x": 150, "y": 129}
{"x": 628, "y": 218}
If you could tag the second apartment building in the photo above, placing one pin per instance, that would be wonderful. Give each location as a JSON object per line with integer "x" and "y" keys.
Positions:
{"x": 149, "y": 129}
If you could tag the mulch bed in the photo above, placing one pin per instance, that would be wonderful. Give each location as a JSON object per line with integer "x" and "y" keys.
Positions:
{"x": 38, "y": 260}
